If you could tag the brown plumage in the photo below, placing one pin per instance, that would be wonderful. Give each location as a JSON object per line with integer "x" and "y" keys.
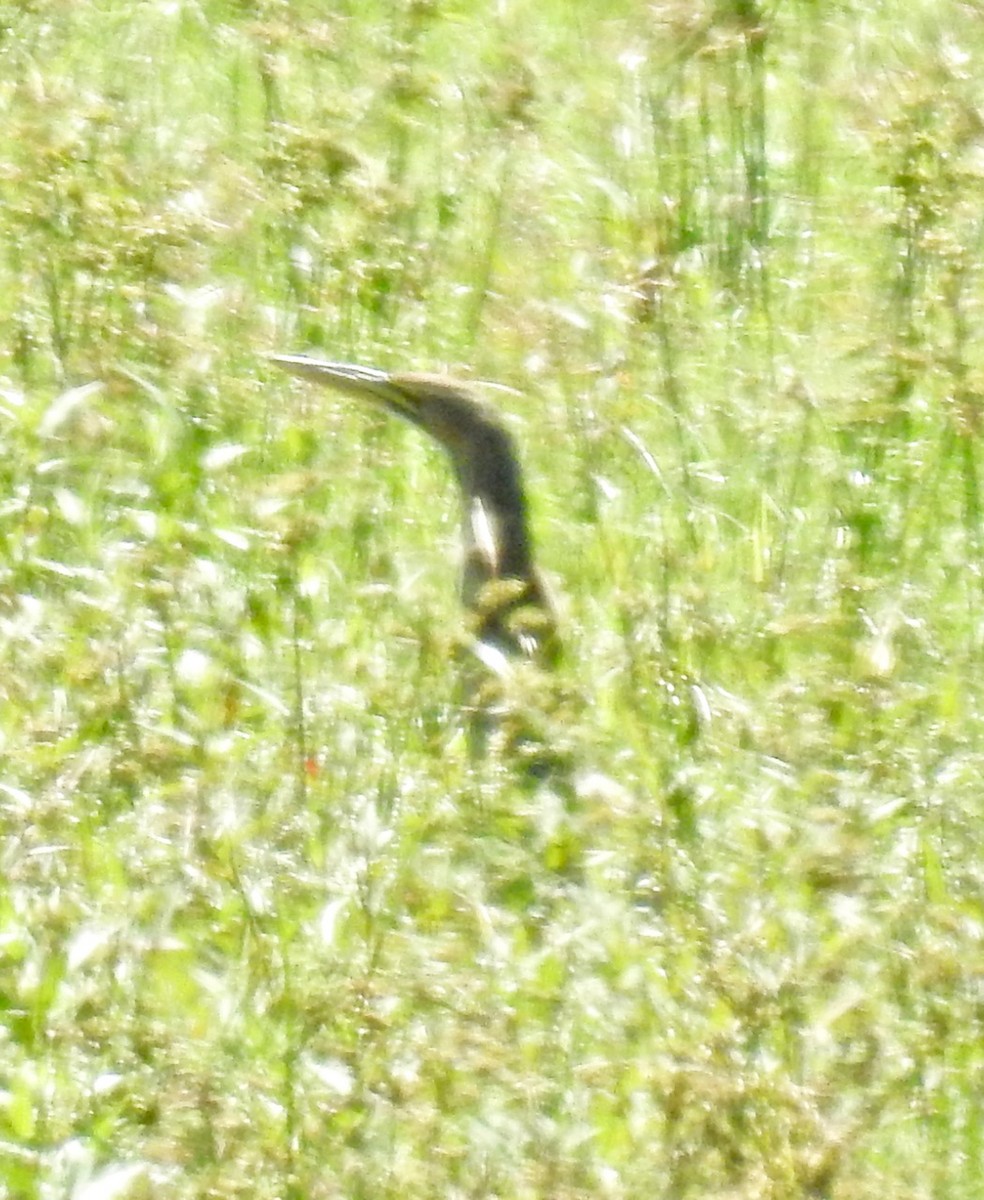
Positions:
{"x": 501, "y": 586}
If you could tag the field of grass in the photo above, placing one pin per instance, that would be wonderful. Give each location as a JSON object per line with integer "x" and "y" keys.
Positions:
{"x": 267, "y": 929}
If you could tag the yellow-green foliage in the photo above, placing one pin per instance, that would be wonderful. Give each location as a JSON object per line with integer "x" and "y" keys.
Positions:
{"x": 266, "y": 930}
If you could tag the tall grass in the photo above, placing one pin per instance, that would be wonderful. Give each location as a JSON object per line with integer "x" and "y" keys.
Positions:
{"x": 266, "y": 928}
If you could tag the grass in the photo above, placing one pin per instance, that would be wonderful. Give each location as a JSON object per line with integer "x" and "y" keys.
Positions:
{"x": 266, "y": 929}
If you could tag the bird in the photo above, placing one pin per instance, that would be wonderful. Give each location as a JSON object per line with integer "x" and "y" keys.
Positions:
{"x": 511, "y": 611}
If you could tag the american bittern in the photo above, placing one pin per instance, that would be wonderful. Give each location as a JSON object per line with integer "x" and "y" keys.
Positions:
{"x": 501, "y": 586}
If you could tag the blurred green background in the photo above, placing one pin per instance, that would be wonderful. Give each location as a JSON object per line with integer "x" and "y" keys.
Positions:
{"x": 266, "y": 929}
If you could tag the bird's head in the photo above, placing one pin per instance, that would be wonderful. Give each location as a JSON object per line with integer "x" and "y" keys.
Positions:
{"x": 480, "y": 447}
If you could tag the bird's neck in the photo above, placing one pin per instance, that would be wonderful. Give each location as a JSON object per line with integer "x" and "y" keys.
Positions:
{"x": 496, "y": 533}
{"x": 497, "y": 538}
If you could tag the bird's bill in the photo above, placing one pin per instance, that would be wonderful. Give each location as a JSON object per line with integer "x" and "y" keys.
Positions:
{"x": 349, "y": 378}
